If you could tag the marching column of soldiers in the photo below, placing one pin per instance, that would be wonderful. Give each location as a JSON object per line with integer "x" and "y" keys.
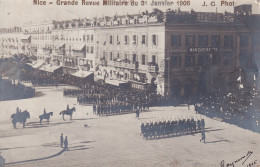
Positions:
{"x": 107, "y": 99}
{"x": 72, "y": 92}
{"x": 171, "y": 128}
{"x": 111, "y": 108}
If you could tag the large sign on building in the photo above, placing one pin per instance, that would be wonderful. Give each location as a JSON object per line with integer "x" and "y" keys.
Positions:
{"x": 203, "y": 50}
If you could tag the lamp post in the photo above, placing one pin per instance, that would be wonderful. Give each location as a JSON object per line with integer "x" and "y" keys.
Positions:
{"x": 210, "y": 56}
{"x": 167, "y": 61}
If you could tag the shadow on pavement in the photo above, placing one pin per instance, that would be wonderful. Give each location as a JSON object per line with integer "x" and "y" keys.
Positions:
{"x": 54, "y": 144}
{"x": 38, "y": 159}
{"x": 87, "y": 141}
{"x": 84, "y": 119}
{"x": 1, "y": 149}
{"x": 38, "y": 94}
{"x": 217, "y": 141}
{"x": 147, "y": 118}
{"x": 82, "y": 148}
{"x": 44, "y": 124}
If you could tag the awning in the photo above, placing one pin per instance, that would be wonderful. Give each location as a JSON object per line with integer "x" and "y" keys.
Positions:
{"x": 60, "y": 45}
{"x": 78, "y": 47}
{"x": 115, "y": 82}
{"x": 38, "y": 64}
{"x": 25, "y": 37}
{"x": 82, "y": 74}
{"x": 31, "y": 64}
{"x": 50, "y": 68}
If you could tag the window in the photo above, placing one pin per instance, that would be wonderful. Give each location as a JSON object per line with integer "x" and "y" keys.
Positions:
{"x": 244, "y": 40}
{"x": 226, "y": 59}
{"x": 203, "y": 40}
{"x": 117, "y": 40}
{"x": 175, "y": 61}
{"x": 111, "y": 56}
{"x": 143, "y": 59}
{"x": 190, "y": 40}
{"x": 118, "y": 55}
{"x": 244, "y": 58}
{"x": 154, "y": 40}
{"x": 87, "y": 49}
{"x": 126, "y": 40}
{"x": 201, "y": 60}
{"x": 111, "y": 39}
{"x": 134, "y": 58}
{"x": 87, "y": 38}
{"x": 134, "y": 40}
{"x": 228, "y": 41}
{"x": 153, "y": 59}
{"x": 255, "y": 40}
{"x": 189, "y": 61}
{"x": 92, "y": 37}
{"x": 215, "y": 40}
{"x": 92, "y": 50}
{"x": 104, "y": 55}
{"x": 215, "y": 59}
{"x": 143, "y": 39}
{"x": 176, "y": 40}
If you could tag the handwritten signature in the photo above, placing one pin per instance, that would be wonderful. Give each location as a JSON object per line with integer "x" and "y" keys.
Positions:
{"x": 243, "y": 159}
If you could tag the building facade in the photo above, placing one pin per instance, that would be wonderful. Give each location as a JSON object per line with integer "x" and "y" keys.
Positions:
{"x": 130, "y": 49}
{"x": 173, "y": 52}
{"x": 10, "y": 41}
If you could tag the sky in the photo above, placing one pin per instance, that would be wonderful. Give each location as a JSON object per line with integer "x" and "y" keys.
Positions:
{"x": 17, "y": 12}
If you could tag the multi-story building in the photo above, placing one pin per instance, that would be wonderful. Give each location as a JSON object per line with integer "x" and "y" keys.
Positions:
{"x": 74, "y": 41}
{"x": 10, "y": 41}
{"x": 131, "y": 49}
{"x": 176, "y": 52}
{"x": 38, "y": 39}
{"x": 180, "y": 52}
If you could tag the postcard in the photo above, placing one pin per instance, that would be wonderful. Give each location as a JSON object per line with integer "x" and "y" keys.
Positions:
{"x": 138, "y": 83}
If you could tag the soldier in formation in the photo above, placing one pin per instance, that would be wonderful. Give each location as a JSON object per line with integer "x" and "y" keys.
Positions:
{"x": 171, "y": 128}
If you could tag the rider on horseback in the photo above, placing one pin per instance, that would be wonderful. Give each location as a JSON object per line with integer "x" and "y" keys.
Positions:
{"x": 44, "y": 111}
{"x": 17, "y": 110}
{"x": 68, "y": 107}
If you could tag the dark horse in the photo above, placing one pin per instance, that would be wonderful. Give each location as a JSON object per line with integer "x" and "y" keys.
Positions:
{"x": 68, "y": 112}
{"x": 45, "y": 116}
{"x": 20, "y": 117}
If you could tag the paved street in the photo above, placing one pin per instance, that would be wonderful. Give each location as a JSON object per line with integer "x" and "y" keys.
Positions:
{"x": 115, "y": 141}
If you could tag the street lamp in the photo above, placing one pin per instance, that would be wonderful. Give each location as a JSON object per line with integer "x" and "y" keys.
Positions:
{"x": 210, "y": 56}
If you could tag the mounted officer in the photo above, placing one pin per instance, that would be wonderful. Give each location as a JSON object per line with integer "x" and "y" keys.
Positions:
{"x": 44, "y": 111}
{"x": 68, "y": 107}
{"x": 17, "y": 110}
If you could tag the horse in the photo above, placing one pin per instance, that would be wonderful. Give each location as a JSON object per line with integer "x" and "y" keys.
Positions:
{"x": 20, "y": 117}
{"x": 45, "y": 116}
{"x": 68, "y": 112}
